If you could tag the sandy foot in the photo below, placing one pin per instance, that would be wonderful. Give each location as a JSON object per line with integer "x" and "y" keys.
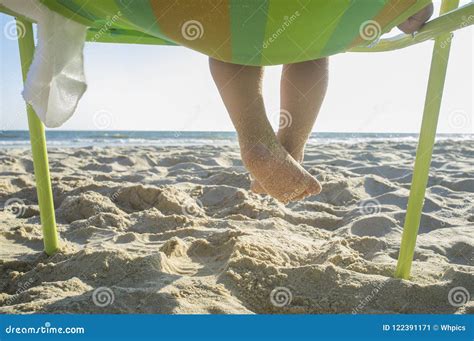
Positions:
{"x": 277, "y": 173}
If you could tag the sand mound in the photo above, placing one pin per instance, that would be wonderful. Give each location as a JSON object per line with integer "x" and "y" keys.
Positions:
{"x": 86, "y": 205}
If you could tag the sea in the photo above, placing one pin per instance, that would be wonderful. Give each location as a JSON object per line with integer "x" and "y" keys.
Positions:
{"x": 62, "y": 138}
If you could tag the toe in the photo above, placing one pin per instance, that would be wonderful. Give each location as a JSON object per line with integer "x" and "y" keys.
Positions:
{"x": 409, "y": 26}
{"x": 301, "y": 196}
{"x": 415, "y": 22}
{"x": 314, "y": 187}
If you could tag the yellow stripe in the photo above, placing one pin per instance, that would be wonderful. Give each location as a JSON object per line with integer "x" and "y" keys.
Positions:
{"x": 203, "y": 26}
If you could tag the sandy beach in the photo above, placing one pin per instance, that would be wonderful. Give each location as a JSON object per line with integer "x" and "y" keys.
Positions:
{"x": 175, "y": 230}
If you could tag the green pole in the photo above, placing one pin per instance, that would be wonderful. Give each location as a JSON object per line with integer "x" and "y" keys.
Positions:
{"x": 434, "y": 94}
{"x": 38, "y": 145}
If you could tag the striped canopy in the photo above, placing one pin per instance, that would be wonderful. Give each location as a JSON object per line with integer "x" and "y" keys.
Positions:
{"x": 249, "y": 32}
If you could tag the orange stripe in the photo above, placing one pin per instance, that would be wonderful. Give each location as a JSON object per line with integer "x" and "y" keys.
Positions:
{"x": 202, "y": 25}
{"x": 392, "y": 10}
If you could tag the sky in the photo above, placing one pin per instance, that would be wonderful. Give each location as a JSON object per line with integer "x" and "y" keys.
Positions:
{"x": 140, "y": 87}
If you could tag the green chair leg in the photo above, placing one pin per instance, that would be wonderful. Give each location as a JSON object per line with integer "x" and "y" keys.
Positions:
{"x": 439, "y": 63}
{"x": 38, "y": 146}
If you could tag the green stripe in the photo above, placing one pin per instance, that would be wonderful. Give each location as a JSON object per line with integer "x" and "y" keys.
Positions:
{"x": 119, "y": 14}
{"x": 78, "y": 9}
{"x": 140, "y": 14}
{"x": 349, "y": 25}
{"x": 107, "y": 12}
{"x": 66, "y": 12}
{"x": 247, "y": 23}
{"x": 299, "y": 30}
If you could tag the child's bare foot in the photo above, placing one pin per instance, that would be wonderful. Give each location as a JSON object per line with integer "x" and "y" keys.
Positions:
{"x": 297, "y": 153}
{"x": 415, "y": 22}
{"x": 303, "y": 86}
{"x": 277, "y": 173}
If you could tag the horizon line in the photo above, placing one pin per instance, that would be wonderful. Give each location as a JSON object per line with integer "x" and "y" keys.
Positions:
{"x": 219, "y": 131}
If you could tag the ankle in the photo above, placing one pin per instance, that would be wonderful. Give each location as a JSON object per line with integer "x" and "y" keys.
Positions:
{"x": 294, "y": 148}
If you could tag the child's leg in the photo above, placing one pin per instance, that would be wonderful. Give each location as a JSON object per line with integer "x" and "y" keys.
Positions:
{"x": 302, "y": 89}
{"x": 277, "y": 172}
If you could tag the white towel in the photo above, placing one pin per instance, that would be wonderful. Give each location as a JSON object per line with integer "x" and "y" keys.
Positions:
{"x": 56, "y": 80}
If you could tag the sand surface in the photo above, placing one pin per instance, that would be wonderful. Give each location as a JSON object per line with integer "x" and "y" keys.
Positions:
{"x": 175, "y": 230}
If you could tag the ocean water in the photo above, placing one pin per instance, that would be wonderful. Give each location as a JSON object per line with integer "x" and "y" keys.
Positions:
{"x": 57, "y": 138}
